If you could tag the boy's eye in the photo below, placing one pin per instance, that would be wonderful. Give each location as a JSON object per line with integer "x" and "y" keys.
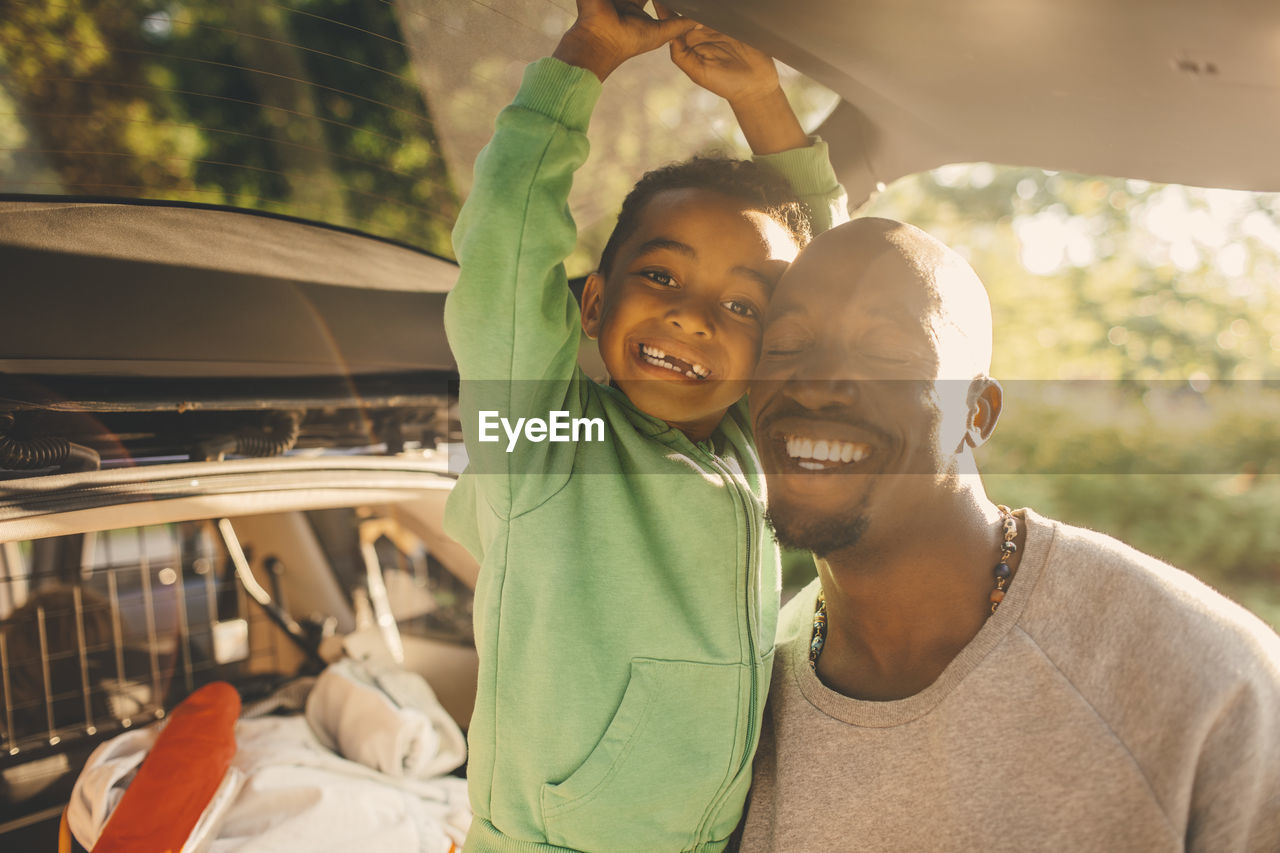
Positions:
{"x": 742, "y": 309}
{"x": 659, "y": 277}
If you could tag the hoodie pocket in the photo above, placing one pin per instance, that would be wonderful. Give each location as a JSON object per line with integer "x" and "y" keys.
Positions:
{"x": 674, "y": 745}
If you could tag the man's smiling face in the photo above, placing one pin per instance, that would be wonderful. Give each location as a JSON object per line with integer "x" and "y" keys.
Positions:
{"x": 860, "y": 397}
{"x": 681, "y": 313}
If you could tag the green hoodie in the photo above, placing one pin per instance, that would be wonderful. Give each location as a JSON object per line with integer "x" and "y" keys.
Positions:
{"x": 626, "y": 606}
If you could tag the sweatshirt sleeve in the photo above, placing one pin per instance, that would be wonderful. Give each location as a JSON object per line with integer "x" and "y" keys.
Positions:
{"x": 1235, "y": 798}
{"x": 809, "y": 172}
{"x": 512, "y": 323}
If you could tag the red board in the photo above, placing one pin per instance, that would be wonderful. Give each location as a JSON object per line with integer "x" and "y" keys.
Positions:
{"x": 179, "y": 776}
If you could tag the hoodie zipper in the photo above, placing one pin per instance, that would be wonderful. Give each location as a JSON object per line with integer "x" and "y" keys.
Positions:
{"x": 745, "y": 499}
{"x": 753, "y": 580}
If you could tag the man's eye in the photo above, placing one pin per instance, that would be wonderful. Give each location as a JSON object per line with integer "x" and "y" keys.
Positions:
{"x": 890, "y": 356}
{"x": 742, "y": 309}
{"x": 784, "y": 349}
{"x": 659, "y": 277}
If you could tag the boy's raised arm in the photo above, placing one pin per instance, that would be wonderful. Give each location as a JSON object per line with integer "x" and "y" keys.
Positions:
{"x": 511, "y": 315}
{"x": 748, "y": 80}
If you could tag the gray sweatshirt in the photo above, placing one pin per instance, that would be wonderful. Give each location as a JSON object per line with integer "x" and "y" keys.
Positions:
{"x": 1112, "y": 703}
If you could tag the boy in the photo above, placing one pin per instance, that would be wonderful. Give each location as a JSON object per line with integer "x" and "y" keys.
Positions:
{"x": 624, "y": 630}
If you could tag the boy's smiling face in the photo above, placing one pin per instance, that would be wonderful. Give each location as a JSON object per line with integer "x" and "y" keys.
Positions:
{"x": 681, "y": 312}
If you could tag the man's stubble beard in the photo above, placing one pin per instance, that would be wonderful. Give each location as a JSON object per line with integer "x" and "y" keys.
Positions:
{"x": 823, "y": 536}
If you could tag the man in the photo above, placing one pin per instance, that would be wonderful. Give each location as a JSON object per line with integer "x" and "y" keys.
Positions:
{"x": 960, "y": 677}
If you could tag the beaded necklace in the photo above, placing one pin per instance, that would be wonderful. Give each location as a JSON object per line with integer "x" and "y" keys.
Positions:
{"x": 1001, "y": 572}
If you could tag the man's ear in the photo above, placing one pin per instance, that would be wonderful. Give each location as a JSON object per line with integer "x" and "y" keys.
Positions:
{"x": 593, "y": 305}
{"x": 986, "y": 399}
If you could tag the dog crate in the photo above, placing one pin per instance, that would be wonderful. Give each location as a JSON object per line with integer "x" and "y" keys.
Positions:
{"x": 104, "y": 631}
{"x": 100, "y": 632}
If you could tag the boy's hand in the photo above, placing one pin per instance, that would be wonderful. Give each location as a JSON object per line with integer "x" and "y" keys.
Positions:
{"x": 744, "y": 77}
{"x": 722, "y": 65}
{"x": 609, "y": 32}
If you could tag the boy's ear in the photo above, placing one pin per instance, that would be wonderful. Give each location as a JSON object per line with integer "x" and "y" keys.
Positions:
{"x": 593, "y": 305}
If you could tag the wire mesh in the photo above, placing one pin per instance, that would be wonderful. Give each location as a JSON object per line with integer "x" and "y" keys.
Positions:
{"x": 101, "y": 632}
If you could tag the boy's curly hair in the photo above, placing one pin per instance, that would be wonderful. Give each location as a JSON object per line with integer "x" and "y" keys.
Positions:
{"x": 762, "y": 188}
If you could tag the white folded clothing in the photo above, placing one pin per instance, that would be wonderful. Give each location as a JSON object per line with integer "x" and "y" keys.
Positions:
{"x": 286, "y": 792}
{"x": 299, "y": 796}
{"x": 385, "y": 718}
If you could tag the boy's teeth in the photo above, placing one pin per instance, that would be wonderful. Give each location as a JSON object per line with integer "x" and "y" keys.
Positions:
{"x": 813, "y": 453}
{"x": 658, "y": 357}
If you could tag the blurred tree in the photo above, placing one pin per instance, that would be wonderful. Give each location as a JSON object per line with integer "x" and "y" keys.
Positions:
{"x": 306, "y": 109}
{"x": 1108, "y": 278}
{"x": 80, "y": 73}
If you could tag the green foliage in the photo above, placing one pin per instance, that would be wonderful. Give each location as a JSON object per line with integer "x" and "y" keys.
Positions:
{"x": 1195, "y": 482}
{"x": 1105, "y": 278}
{"x": 307, "y": 109}
{"x": 98, "y": 120}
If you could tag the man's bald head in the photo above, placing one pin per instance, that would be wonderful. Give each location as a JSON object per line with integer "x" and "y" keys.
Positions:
{"x": 922, "y": 272}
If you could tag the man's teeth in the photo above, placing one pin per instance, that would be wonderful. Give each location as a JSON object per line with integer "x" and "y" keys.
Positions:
{"x": 657, "y": 357}
{"x": 809, "y": 452}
